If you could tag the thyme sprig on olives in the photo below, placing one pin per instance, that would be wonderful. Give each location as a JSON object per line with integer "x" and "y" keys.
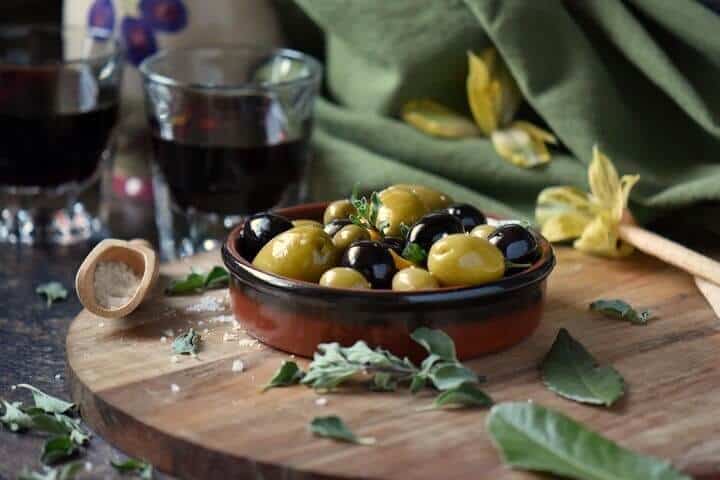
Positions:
{"x": 366, "y": 211}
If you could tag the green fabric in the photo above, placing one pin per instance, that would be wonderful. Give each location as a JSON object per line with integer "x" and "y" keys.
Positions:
{"x": 640, "y": 78}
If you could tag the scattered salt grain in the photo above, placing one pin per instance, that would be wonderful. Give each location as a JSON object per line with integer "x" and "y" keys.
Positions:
{"x": 222, "y": 319}
{"x": 206, "y": 331}
{"x": 207, "y": 304}
{"x": 174, "y": 359}
{"x": 230, "y": 337}
{"x": 200, "y": 322}
{"x": 14, "y": 387}
{"x": 174, "y": 388}
{"x": 163, "y": 339}
{"x": 249, "y": 342}
{"x": 101, "y": 324}
{"x": 169, "y": 332}
{"x": 321, "y": 402}
{"x": 88, "y": 466}
{"x": 238, "y": 366}
{"x": 58, "y": 376}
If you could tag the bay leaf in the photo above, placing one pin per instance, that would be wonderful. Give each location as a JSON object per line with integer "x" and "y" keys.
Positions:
{"x": 571, "y": 372}
{"x": 532, "y": 437}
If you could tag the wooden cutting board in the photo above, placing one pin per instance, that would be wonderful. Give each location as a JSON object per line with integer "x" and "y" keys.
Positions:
{"x": 217, "y": 424}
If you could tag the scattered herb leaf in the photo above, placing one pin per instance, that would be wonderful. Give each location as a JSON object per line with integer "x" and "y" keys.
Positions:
{"x": 47, "y": 403}
{"x": 57, "y": 449}
{"x": 14, "y": 418}
{"x": 414, "y": 253}
{"x": 197, "y": 282}
{"x": 436, "y": 342}
{"x": 333, "y": 427}
{"x": 53, "y": 291}
{"x": 446, "y": 376}
{"x": 186, "y": 343}
{"x": 65, "y": 472}
{"x": 465, "y": 395}
{"x": 383, "y": 382}
{"x": 621, "y": 310}
{"x": 571, "y": 372}
{"x": 531, "y": 437}
{"x": 288, "y": 374}
{"x": 142, "y": 469}
{"x": 419, "y": 380}
{"x": 217, "y": 278}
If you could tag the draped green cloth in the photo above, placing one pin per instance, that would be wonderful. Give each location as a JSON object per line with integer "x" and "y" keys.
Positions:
{"x": 640, "y": 78}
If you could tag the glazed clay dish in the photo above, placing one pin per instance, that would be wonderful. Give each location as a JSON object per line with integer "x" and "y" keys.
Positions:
{"x": 341, "y": 287}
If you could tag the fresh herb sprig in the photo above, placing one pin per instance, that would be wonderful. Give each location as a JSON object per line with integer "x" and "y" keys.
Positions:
{"x": 49, "y": 415}
{"x": 196, "y": 282}
{"x": 334, "y": 366}
{"x": 414, "y": 253}
{"x": 366, "y": 211}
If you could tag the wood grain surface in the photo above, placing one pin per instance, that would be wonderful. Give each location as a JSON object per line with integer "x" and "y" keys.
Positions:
{"x": 218, "y": 425}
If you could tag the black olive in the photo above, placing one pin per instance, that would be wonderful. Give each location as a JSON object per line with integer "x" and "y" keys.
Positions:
{"x": 373, "y": 260}
{"x": 334, "y": 226}
{"x": 432, "y": 227}
{"x": 259, "y": 230}
{"x": 469, "y": 216}
{"x": 394, "y": 243}
{"x": 517, "y": 244}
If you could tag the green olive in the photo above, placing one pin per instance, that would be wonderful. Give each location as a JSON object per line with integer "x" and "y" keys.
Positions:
{"x": 343, "y": 277}
{"x": 462, "y": 259}
{"x": 398, "y": 206}
{"x": 413, "y": 278}
{"x": 306, "y": 223}
{"x": 302, "y": 253}
{"x": 483, "y": 231}
{"x": 349, "y": 234}
{"x": 339, "y": 209}
{"x": 431, "y": 198}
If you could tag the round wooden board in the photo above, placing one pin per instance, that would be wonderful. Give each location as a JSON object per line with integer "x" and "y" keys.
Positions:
{"x": 218, "y": 424}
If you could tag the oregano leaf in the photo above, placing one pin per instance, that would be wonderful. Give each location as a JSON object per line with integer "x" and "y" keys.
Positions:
{"x": 186, "y": 343}
{"x": 436, "y": 342}
{"x": 333, "y": 427}
{"x": 142, "y": 469}
{"x": 47, "y": 403}
{"x": 57, "y": 449}
{"x": 621, "y": 310}
{"x": 53, "y": 292}
{"x": 287, "y": 374}
{"x": 464, "y": 395}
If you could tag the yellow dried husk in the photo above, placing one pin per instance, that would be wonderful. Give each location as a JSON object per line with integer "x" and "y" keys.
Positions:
{"x": 523, "y": 144}
{"x": 493, "y": 95}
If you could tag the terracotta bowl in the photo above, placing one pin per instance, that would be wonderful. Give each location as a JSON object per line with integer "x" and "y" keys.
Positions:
{"x": 295, "y": 316}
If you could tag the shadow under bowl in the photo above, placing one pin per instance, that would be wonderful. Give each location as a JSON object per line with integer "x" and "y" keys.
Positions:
{"x": 295, "y": 316}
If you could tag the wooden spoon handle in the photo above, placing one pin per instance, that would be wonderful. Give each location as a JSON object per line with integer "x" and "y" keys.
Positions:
{"x": 671, "y": 252}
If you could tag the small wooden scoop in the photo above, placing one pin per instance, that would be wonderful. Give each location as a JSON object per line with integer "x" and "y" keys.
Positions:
{"x": 137, "y": 254}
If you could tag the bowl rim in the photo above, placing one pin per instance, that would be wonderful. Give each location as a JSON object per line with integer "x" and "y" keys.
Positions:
{"x": 239, "y": 266}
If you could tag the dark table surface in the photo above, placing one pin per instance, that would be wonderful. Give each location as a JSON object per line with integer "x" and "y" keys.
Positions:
{"x": 32, "y": 336}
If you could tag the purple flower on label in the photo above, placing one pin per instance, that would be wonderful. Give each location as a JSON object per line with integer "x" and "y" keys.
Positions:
{"x": 164, "y": 15}
{"x": 139, "y": 39}
{"x": 101, "y": 18}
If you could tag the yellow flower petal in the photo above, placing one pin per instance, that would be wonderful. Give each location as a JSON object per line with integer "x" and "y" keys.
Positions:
{"x": 566, "y": 212}
{"x": 434, "y": 119}
{"x": 564, "y": 226}
{"x": 523, "y": 144}
{"x": 492, "y": 92}
{"x": 600, "y": 237}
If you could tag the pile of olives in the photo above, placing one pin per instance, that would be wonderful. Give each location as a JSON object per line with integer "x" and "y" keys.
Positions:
{"x": 407, "y": 237}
